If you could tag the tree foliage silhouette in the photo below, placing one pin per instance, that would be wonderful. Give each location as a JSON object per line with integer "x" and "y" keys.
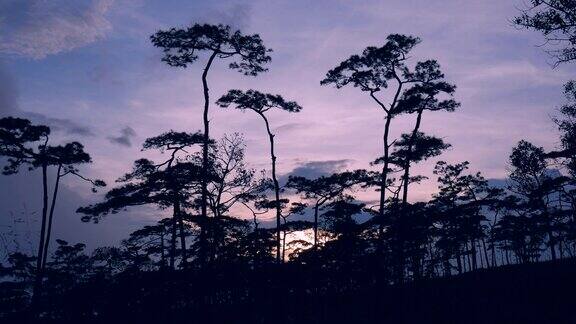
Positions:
{"x": 170, "y": 183}
{"x": 556, "y": 20}
{"x": 181, "y": 48}
{"x": 412, "y": 90}
{"x": 530, "y": 179}
{"x": 17, "y": 139}
{"x": 232, "y": 262}
{"x": 324, "y": 189}
{"x": 261, "y": 103}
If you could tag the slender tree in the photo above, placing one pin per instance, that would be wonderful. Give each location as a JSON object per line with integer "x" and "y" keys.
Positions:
{"x": 423, "y": 96}
{"x": 181, "y": 48}
{"x": 17, "y": 140}
{"x": 347, "y": 246}
{"x": 151, "y": 239}
{"x": 375, "y": 70}
{"x": 414, "y": 148}
{"x": 65, "y": 158}
{"x": 261, "y": 103}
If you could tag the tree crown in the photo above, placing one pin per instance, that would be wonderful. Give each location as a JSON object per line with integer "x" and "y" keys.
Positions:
{"x": 257, "y": 101}
{"x": 371, "y": 70}
{"x": 556, "y": 20}
{"x": 181, "y": 47}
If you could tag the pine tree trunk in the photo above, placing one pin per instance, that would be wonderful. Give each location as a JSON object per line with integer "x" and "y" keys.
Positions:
{"x": 276, "y": 189}
{"x": 39, "y": 271}
{"x": 485, "y": 253}
{"x": 173, "y": 241}
{"x": 459, "y": 263}
{"x": 178, "y": 215}
{"x": 205, "y": 162}
{"x": 474, "y": 255}
{"x": 316, "y": 225}
{"x": 383, "y": 181}
{"x": 162, "y": 252}
{"x": 51, "y": 216}
{"x": 406, "y": 176}
{"x": 552, "y": 242}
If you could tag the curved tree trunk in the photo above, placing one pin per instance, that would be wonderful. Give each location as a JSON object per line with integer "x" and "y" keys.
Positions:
{"x": 406, "y": 176}
{"x": 276, "y": 189}
{"x": 205, "y": 147}
{"x": 485, "y": 253}
{"x": 384, "y": 179}
{"x": 384, "y": 172}
{"x": 551, "y": 238}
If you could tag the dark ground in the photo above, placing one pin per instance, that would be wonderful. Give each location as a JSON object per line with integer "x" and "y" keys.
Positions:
{"x": 534, "y": 293}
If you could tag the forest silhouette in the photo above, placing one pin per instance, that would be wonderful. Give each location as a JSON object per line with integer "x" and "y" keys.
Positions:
{"x": 473, "y": 253}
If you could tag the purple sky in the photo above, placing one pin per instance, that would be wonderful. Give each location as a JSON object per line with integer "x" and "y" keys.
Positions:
{"x": 88, "y": 69}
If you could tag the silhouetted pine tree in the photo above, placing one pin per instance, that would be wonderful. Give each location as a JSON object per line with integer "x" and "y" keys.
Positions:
{"x": 555, "y": 20}
{"x": 171, "y": 183}
{"x": 181, "y": 48}
{"x": 18, "y": 138}
{"x": 261, "y": 103}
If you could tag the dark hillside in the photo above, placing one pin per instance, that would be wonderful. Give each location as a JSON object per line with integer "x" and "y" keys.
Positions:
{"x": 533, "y": 293}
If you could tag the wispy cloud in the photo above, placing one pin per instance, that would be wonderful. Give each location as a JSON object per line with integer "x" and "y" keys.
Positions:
{"x": 36, "y": 28}
{"x": 64, "y": 125}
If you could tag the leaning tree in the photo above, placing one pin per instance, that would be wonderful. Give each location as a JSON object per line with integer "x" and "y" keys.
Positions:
{"x": 261, "y": 103}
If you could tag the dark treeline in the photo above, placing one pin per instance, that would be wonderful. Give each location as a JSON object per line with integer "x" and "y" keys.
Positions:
{"x": 236, "y": 239}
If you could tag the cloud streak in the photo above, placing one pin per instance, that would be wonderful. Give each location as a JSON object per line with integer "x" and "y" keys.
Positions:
{"x": 36, "y": 28}
{"x": 64, "y": 125}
